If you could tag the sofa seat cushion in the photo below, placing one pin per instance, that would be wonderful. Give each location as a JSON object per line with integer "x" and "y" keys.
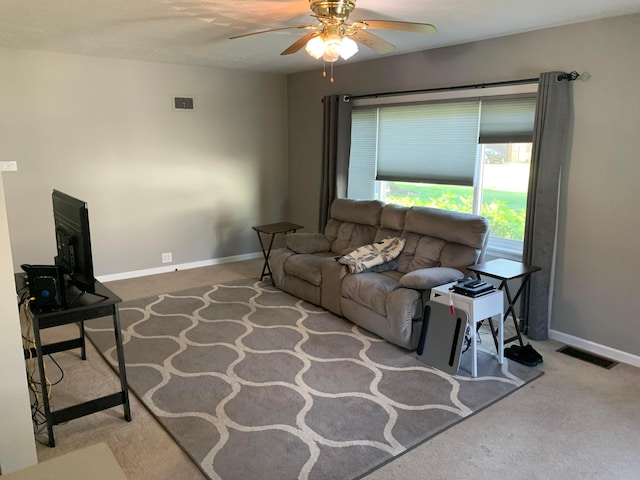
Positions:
{"x": 370, "y": 289}
{"x": 307, "y": 266}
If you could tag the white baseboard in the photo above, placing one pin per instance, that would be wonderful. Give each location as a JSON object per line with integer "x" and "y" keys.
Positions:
{"x": 174, "y": 267}
{"x": 595, "y": 348}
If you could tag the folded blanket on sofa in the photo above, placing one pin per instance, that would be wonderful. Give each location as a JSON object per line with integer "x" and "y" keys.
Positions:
{"x": 368, "y": 256}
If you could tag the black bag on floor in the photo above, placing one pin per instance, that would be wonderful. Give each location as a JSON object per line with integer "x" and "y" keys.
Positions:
{"x": 526, "y": 355}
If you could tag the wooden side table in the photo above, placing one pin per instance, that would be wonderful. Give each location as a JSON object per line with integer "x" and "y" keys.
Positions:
{"x": 272, "y": 229}
{"x": 505, "y": 270}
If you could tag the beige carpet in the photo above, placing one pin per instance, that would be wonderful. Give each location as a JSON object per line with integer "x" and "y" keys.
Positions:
{"x": 577, "y": 420}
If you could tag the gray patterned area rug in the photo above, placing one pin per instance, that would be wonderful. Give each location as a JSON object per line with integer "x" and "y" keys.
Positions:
{"x": 254, "y": 383}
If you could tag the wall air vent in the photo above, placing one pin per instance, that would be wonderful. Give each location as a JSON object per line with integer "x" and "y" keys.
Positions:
{"x": 182, "y": 103}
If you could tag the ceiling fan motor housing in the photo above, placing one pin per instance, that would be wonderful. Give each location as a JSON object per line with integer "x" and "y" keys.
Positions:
{"x": 337, "y": 10}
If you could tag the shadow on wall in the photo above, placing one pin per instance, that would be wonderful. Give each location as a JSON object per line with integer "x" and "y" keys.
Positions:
{"x": 232, "y": 235}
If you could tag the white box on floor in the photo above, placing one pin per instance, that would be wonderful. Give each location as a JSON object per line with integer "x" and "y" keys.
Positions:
{"x": 95, "y": 462}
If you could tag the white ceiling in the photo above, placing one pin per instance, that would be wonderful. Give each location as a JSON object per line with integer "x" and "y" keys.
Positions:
{"x": 197, "y": 32}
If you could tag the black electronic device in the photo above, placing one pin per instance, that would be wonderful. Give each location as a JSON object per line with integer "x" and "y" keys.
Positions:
{"x": 73, "y": 240}
{"x": 472, "y": 287}
{"x": 46, "y": 286}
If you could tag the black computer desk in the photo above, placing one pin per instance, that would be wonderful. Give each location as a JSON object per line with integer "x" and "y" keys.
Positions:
{"x": 81, "y": 307}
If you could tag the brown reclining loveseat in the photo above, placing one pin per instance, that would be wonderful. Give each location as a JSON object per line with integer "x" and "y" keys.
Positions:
{"x": 387, "y": 299}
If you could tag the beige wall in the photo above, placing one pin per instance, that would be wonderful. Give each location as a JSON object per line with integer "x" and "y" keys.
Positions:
{"x": 595, "y": 301}
{"x": 156, "y": 180}
{"x": 17, "y": 444}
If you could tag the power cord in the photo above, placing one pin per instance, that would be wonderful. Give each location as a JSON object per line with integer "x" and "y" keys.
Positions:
{"x": 34, "y": 382}
{"x": 468, "y": 338}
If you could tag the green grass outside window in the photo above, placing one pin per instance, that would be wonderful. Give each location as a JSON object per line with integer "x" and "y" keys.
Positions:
{"x": 504, "y": 210}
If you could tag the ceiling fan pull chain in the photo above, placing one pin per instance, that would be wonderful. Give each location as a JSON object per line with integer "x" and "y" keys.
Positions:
{"x": 324, "y": 71}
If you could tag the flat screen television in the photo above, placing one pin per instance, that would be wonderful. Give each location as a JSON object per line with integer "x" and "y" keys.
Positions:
{"x": 73, "y": 240}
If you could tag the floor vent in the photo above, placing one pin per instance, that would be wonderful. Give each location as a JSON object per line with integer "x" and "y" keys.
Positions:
{"x": 587, "y": 357}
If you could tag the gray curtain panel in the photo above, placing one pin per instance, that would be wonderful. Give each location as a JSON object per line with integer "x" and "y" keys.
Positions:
{"x": 335, "y": 152}
{"x": 552, "y": 136}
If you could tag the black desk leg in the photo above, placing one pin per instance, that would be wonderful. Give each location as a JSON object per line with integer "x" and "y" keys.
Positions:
{"x": 512, "y": 305}
{"x": 43, "y": 380}
{"x": 121, "y": 365}
{"x": 510, "y": 309}
{"x": 83, "y": 349}
{"x": 266, "y": 270}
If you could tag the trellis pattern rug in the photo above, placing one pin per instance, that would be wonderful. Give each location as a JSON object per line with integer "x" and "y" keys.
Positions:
{"x": 255, "y": 383}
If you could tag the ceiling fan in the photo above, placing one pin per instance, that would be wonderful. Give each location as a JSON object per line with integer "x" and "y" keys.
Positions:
{"x": 334, "y": 37}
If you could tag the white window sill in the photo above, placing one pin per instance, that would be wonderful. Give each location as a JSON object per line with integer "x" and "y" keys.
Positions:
{"x": 502, "y": 252}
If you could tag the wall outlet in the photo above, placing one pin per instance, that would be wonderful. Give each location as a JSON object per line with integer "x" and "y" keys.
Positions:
{"x": 167, "y": 257}
{"x": 9, "y": 166}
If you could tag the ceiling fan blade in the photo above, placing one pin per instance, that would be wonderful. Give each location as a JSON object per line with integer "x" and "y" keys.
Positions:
{"x": 372, "y": 41}
{"x": 393, "y": 25}
{"x": 306, "y": 27}
{"x": 298, "y": 44}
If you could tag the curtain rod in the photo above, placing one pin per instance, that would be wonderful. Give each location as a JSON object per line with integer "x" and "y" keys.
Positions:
{"x": 564, "y": 76}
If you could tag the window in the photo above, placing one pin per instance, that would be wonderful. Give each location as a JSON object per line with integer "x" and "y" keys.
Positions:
{"x": 466, "y": 154}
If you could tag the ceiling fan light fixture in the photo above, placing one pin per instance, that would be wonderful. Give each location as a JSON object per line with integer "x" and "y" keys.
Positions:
{"x": 315, "y": 47}
{"x": 348, "y": 48}
{"x": 330, "y": 56}
{"x": 332, "y": 47}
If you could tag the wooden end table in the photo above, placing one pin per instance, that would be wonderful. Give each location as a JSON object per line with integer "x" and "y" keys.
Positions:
{"x": 505, "y": 270}
{"x": 272, "y": 229}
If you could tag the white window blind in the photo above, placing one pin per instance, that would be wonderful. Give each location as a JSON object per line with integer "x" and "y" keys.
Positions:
{"x": 508, "y": 120}
{"x": 428, "y": 143}
{"x": 433, "y": 137}
{"x": 362, "y": 159}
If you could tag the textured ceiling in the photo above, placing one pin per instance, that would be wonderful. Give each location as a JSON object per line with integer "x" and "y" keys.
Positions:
{"x": 197, "y": 32}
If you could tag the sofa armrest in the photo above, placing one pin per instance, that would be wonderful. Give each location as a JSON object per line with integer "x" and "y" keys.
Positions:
{"x": 307, "y": 242}
{"x": 426, "y": 278}
{"x": 331, "y": 292}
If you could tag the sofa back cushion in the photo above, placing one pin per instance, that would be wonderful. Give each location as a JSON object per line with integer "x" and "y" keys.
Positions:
{"x": 391, "y": 221}
{"x": 441, "y": 238}
{"x": 353, "y": 223}
{"x": 420, "y": 251}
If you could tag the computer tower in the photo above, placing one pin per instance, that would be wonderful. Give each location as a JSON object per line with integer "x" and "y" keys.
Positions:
{"x": 46, "y": 286}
